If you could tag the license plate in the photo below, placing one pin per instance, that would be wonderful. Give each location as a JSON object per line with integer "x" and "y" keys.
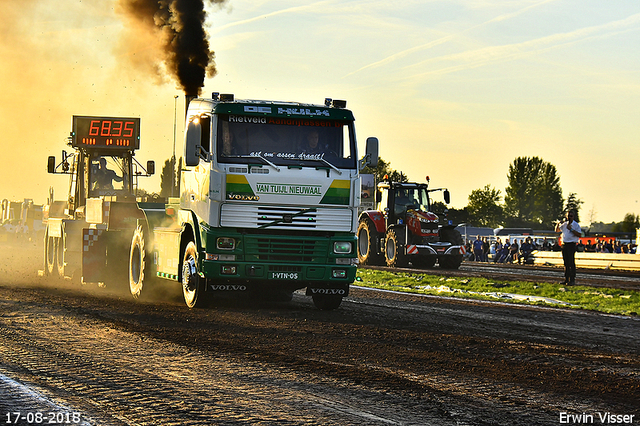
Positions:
{"x": 285, "y": 276}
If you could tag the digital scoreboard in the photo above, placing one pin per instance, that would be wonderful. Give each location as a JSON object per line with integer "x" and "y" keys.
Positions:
{"x": 106, "y": 132}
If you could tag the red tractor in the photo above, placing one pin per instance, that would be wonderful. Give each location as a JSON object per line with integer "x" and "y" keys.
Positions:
{"x": 403, "y": 230}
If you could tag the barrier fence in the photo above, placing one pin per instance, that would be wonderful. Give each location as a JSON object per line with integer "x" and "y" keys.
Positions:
{"x": 612, "y": 261}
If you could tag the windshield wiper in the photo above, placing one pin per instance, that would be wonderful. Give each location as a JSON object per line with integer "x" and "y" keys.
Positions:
{"x": 289, "y": 218}
{"x": 337, "y": 170}
{"x": 260, "y": 157}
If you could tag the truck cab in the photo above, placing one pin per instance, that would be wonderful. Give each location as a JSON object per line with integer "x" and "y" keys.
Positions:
{"x": 268, "y": 201}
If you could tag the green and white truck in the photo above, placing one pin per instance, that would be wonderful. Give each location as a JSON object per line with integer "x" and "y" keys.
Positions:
{"x": 269, "y": 197}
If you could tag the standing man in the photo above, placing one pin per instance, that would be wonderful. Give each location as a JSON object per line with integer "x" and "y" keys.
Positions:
{"x": 571, "y": 233}
{"x": 477, "y": 249}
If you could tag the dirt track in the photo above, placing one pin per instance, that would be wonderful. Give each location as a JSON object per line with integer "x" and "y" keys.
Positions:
{"x": 380, "y": 359}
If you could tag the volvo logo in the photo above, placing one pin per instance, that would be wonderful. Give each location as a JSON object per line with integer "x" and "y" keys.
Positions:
{"x": 328, "y": 291}
{"x": 243, "y": 197}
{"x": 228, "y": 287}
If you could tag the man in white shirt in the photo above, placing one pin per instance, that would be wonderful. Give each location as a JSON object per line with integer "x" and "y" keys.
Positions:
{"x": 571, "y": 233}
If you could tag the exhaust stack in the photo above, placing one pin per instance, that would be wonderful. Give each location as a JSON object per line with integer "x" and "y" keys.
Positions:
{"x": 187, "y": 101}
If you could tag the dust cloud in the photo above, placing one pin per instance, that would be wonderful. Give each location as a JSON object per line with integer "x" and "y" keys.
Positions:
{"x": 64, "y": 57}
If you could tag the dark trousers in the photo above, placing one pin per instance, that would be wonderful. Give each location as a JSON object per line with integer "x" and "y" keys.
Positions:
{"x": 569, "y": 258}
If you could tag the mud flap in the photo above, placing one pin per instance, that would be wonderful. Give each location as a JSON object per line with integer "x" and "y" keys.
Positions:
{"x": 330, "y": 290}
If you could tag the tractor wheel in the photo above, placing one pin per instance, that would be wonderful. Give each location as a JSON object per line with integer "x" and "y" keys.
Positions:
{"x": 367, "y": 251}
{"x": 423, "y": 261}
{"x": 454, "y": 237}
{"x": 393, "y": 250}
{"x": 452, "y": 261}
{"x": 193, "y": 286}
{"x": 50, "y": 248}
{"x": 140, "y": 268}
{"x": 60, "y": 255}
{"x": 327, "y": 302}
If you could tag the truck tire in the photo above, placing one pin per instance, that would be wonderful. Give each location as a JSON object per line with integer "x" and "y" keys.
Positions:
{"x": 327, "y": 302}
{"x": 139, "y": 265}
{"x": 367, "y": 251}
{"x": 393, "y": 253}
{"x": 193, "y": 286}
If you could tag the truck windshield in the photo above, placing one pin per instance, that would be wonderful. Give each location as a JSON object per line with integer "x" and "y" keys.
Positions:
{"x": 286, "y": 141}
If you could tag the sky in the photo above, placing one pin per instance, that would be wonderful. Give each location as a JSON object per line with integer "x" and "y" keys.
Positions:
{"x": 453, "y": 90}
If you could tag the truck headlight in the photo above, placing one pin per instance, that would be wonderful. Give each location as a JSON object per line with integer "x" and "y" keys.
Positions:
{"x": 342, "y": 247}
{"x": 225, "y": 243}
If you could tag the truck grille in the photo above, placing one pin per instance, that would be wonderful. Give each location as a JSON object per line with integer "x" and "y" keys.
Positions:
{"x": 253, "y": 216}
{"x": 290, "y": 250}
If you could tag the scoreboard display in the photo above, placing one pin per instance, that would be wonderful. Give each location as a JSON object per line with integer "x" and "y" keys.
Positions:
{"x": 105, "y": 132}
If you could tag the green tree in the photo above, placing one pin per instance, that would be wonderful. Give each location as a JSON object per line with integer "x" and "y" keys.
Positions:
{"x": 573, "y": 203}
{"x": 629, "y": 224}
{"x": 484, "y": 207}
{"x": 534, "y": 196}
{"x": 384, "y": 168}
{"x": 178, "y": 176}
{"x": 168, "y": 179}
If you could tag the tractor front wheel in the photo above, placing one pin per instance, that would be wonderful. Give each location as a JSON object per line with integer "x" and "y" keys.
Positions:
{"x": 140, "y": 273}
{"x": 393, "y": 250}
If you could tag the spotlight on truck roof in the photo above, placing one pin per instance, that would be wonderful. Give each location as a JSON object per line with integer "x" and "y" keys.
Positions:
{"x": 339, "y": 104}
{"x": 227, "y": 97}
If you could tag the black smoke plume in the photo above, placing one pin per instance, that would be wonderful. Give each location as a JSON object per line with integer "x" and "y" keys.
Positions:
{"x": 179, "y": 24}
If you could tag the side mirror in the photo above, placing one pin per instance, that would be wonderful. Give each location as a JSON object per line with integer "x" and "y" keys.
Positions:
{"x": 371, "y": 155}
{"x": 151, "y": 167}
{"x": 51, "y": 164}
{"x": 191, "y": 144}
{"x": 447, "y": 196}
{"x": 372, "y": 151}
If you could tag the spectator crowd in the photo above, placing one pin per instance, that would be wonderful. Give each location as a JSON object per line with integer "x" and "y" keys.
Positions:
{"x": 519, "y": 250}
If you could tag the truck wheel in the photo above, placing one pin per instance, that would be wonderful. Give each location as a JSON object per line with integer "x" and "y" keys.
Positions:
{"x": 139, "y": 268}
{"x": 192, "y": 284}
{"x": 393, "y": 251}
{"x": 327, "y": 302}
{"x": 367, "y": 252}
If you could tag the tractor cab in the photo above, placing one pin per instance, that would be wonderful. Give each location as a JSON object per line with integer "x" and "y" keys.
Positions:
{"x": 110, "y": 175}
{"x": 103, "y": 163}
{"x": 397, "y": 199}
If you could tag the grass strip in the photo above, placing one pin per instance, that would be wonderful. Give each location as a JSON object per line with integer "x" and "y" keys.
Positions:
{"x": 611, "y": 301}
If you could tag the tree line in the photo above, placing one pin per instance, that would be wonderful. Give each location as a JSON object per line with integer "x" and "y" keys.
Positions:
{"x": 532, "y": 199}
